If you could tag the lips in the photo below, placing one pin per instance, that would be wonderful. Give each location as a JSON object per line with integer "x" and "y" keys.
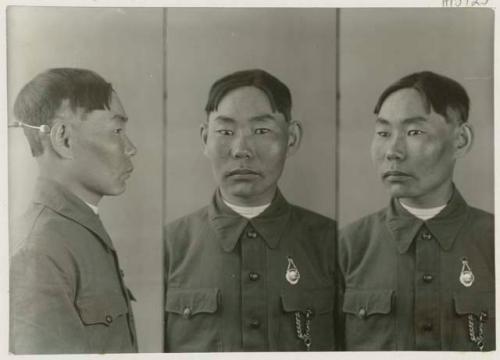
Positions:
{"x": 242, "y": 172}
{"x": 394, "y": 174}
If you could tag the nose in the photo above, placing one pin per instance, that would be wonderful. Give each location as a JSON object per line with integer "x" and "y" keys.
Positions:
{"x": 395, "y": 148}
{"x": 241, "y": 148}
{"x": 130, "y": 149}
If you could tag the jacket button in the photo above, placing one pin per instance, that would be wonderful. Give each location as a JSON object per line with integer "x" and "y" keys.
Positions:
{"x": 254, "y": 276}
{"x": 427, "y": 326}
{"x": 362, "y": 313}
{"x": 255, "y": 324}
{"x": 251, "y": 234}
{"x": 426, "y": 235}
{"x": 186, "y": 312}
{"x": 428, "y": 278}
{"x": 109, "y": 319}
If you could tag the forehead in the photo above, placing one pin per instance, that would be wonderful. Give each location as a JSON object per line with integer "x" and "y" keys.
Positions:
{"x": 403, "y": 104}
{"x": 244, "y": 100}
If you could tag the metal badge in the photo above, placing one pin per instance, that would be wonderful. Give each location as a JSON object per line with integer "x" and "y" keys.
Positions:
{"x": 466, "y": 275}
{"x": 292, "y": 273}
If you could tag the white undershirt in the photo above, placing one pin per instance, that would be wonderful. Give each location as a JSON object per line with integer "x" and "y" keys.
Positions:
{"x": 423, "y": 214}
{"x": 248, "y": 212}
{"x": 94, "y": 208}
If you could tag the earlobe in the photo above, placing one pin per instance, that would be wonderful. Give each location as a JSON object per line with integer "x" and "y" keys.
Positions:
{"x": 294, "y": 137}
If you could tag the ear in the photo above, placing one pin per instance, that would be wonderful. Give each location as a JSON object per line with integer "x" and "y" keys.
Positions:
{"x": 294, "y": 137}
{"x": 464, "y": 139}
{"x": 60, "y": 139}
{"x": 204, "y": 136}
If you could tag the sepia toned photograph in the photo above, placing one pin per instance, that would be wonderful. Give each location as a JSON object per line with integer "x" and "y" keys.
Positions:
{"x": 250, "y": 179}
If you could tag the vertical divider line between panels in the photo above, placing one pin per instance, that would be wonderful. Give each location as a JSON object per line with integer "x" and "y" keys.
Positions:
{"x": 164, "y": 166}
{"x": 337, "y": 114}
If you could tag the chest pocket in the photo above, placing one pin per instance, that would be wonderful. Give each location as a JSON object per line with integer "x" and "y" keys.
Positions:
{"x": 101, "y": 310}
{"x": 478, "y": 304}
{"x": 297, "y": 301}
{"x": 192, "y": 321}
{"x": 369, "y": 324}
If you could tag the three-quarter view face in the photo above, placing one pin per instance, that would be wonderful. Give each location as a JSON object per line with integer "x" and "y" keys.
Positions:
{"x": 419, "y": 273}
{"x": 247, "y": 142}
{"x": 414, "y": 148}
{"x": 244, "y": 179}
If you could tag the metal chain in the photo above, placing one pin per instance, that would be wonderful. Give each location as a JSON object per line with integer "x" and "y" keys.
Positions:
{"x": 304, "y": 330}
{"x": 479, "y": 338}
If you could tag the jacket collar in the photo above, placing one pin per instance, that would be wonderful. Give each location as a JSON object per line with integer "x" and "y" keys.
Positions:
{"x": 55, "y": 196}
{"x": 444, "y": 227}
{"x": 229, "y": 225}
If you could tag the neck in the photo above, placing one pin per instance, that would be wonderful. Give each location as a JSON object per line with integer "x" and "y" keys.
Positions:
{"x": 59, "y": 174}
{"x": 436, "y": 198}
{"x": 259, "y": 200}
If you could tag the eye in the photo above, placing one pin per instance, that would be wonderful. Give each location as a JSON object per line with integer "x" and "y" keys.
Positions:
{"x": 383, "y": 133}
{"x": 261, "y": 131}
{"x": 118, "y": 131}
{"x": 224, "y": 132}
{"x": 415, "y": 132}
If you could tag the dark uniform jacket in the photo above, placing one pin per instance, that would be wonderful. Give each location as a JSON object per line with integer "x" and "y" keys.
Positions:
{"x": 67, "y": 292}
{"x": 403, "y": 280}
{"x": 226, "y": 286}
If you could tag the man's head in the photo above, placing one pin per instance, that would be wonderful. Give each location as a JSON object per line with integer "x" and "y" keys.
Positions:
{"x": 86, "y": 147}
{"x": 420, "y": 130}
{"x": 248, "y": 135}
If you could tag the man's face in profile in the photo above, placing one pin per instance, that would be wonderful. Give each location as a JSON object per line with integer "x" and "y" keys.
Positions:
{"x": 413, "y": 149}
{"x": 247, "y": 144}
{"x": 102, "y": 151}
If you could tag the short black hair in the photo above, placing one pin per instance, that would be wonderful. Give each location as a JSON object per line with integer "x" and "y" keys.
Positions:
{"x": 277, "y": 92}
{"x": 438, "y": 91}
{"x": 41, "y": 98}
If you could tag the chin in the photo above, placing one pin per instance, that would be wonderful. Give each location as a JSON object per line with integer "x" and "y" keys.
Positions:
{"x": 117, "y": 190}
{"x": 399, "y": 191}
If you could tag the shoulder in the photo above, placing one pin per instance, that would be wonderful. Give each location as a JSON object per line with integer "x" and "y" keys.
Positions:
{"x": 187, "y": 223}
{"x": 357, "y": 236}
{"x": 481, "y": 218}
{"x": 364, "y": 225}
{"x": 310, "y": 218}
{"x": 45, "y": 232}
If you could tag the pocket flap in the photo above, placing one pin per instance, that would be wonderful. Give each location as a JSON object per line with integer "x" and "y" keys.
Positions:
{"x": 475, "y": 303}
{"x": 101, "y": 310}
{"x": 191, "y": 301}
{"x": 318, "y": 300}
{"x": 367, "y": 302}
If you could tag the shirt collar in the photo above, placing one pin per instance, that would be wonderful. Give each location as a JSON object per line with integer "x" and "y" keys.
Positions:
{"x": 270, "y": 224}
{"x": 444, "y": 227}
{"x": 56, "y": 197}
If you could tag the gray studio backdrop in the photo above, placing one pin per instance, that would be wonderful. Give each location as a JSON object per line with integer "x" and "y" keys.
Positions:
{"x": 162, "y": 63}
{"x": 377, "y": 47}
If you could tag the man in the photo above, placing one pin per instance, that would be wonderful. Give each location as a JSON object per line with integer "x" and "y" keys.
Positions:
{"x": 250, "y": 272}
{"x": 419, "y": 274}
{"x": 67, "y": 291}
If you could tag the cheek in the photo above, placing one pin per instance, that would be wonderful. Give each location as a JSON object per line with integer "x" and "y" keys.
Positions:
{"x": 376, "y": 151}
{"x": 217, "y": 148}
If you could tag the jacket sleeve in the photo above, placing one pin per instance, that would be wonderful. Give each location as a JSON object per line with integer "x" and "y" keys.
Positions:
{"x": 44, "y": 318}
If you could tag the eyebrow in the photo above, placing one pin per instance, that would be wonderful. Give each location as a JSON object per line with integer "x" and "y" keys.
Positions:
{"x": 258, "y": 118}
{"x": 120, "y": 117}
{"x": 411, "y": 120}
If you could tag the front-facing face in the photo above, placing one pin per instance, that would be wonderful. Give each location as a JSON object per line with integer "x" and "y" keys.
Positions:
{"x": 414, "y": 150}
{"x": 247, "y": 144}
{"x": 101, "y": 152}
